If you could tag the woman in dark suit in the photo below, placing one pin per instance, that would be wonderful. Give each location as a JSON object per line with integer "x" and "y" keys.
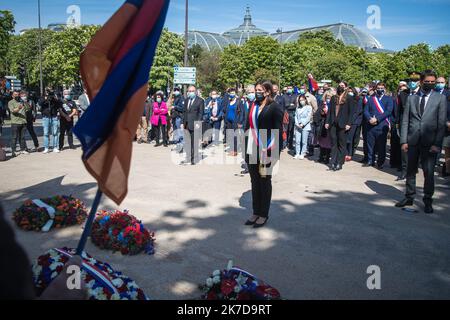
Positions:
{"x": 339, "y": 123}
{"x": 265, "y": 127}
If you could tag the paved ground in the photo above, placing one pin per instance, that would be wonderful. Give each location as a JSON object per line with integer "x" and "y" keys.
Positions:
{"x": 325, "y": 228}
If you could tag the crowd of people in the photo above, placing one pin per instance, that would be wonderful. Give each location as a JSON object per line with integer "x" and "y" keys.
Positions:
{"x": 329, "y": 120}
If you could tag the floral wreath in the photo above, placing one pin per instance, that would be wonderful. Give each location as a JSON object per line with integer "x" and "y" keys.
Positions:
{"x": 101, "y": 280}
{"x": 45, "y": 214}
{"x": 237, "y": 284}
{"x": 122, "y": 232}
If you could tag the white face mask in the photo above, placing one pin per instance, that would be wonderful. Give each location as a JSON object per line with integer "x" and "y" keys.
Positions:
{"x": 24, "y": 99}
{"x": 303, "y": 103}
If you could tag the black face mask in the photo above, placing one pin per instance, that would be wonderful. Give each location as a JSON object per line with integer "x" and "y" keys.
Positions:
{"x": 381, "y": 92}
{"x": 17, "y": 99}
{"x": 340, "y": 90}
{"x": 260, "y": 97}
{"x": 427, "y": 87}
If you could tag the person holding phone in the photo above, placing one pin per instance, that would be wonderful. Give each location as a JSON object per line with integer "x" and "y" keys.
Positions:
{"x": 423, "y": 131}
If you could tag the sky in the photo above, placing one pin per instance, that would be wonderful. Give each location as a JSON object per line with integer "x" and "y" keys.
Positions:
{"x": 402, "y": 22}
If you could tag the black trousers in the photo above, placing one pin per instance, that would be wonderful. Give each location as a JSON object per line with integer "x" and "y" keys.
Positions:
{"x": 18, "y": 132}
{"x": 290, "y": 131}
{"x": 161, "y": 129}
{"x": 396, "y": 150}
{"x": 338, "y": 144}
{"x": 234, "y": 138}
{"x": 428, "y": 162}
{"x": 365, "y": 129}
{"x": 354, "y": 137}
{"x": 191, "y": 156}
{"x": 261, "y": 191}
{"x": 65, "y": 128}
{"x": 33, "y": 135}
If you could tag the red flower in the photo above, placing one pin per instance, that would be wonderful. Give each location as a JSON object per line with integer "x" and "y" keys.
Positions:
{"x": 211, "y": 296}
{"x": 227, "y": 286}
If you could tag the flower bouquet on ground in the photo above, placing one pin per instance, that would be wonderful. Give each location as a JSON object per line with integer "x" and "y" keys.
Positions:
{"x": 121, "y": 232}
{"x": 102, "y": 282}
{"x": 45, "y": 214}
{"x": 237, "y": 284}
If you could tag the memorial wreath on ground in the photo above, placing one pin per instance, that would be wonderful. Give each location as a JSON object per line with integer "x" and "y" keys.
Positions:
{"x": 237, "y": 284}
{"x": 45, "y": 214}
{"x": 121, "y": 232}
{"x": 101, "y": 281}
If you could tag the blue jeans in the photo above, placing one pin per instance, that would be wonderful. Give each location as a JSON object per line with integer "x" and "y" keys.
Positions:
{"x": 301, "y": 141}
{"x": 51, "y": 127}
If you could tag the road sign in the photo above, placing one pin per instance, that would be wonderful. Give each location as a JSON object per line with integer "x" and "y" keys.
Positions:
{"x": 15, "y": 83}
{"x": 184, "y": 75}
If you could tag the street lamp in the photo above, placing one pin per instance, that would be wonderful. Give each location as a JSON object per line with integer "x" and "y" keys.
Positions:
{"x": 280, "y": 31}
{"x": 186, "y": 34}
{"x": 40, "y": 49}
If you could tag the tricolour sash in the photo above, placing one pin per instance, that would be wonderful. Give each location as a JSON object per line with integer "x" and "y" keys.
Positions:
{"x": 94, "y": 271}
{"x": 255, "y": 129}
{"x": 379, "y": 106}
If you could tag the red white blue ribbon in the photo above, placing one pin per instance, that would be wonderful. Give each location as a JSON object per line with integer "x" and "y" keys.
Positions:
{"x": 380, "y": 108}
{"x": 255, "y": 129}
{"x": 94, "y": 271}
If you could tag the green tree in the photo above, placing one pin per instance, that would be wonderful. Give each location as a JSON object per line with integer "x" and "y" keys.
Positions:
{"x": 7, "y": 25}
{"x": 61, "y": 58}
{"x": 25, "y": 49}
{"x": 168, "y": 54}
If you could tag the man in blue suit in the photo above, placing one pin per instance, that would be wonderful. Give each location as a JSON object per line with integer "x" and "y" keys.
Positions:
{"x": 378, "y": 114}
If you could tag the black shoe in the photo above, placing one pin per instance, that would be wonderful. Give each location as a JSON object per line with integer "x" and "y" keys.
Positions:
{"x": 368, "y": 164}
{"x": 257, "y": 226}
{"x": 429, "y": 208}
{"x": 250, "y": 223}
{"x": 380, "y": 167}
{"x": 338, "y": 168}
{"x": 405, "y": 203}
{"x": 333, "y": 167}
{"x": 13, "y": 155}
{"x": 166, "y": 146}
{"x": 244, "y": 172}
{"x": 402, "y": 177}
{"x": 157, "y": 145}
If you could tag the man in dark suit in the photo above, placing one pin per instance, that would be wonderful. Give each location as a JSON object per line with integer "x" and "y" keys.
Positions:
{"x": 378, "y": 113}
{"x": 440, "y": 88}
{"x": 192, "y": 117}
{"x": 423, "y": 131}
{"x": 413, "y": 89}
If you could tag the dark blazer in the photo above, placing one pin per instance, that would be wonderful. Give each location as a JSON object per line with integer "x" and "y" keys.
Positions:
{"x": 371, "y": 110}
{"x": 358, "y": 114}
{"x": 193, "y": 114}
{"x": 426, "y": 130}
{"x": 345, "y": 115}
{"x": 240, "y": 112}
{"x": 271, "y": 118}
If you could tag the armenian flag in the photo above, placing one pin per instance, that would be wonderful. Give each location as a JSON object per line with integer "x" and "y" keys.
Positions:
{"x": 313, "y": 85}
{"x": 115, "y": 68}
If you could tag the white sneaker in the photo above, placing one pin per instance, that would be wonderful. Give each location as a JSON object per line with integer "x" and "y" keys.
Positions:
{"x": 56, "y": 151}
{"x": 25, "y": 152}
{"x": 302, "y": 157}
{"x": 296, "y": 157}
{"x": 45, "y": 151}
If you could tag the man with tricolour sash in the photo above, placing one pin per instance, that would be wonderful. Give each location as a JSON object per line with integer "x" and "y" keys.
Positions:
{"x": 378, "y": 113}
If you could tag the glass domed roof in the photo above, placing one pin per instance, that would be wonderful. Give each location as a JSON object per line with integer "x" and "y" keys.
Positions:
{"x": 208, "y": 40}
{"x": 347, "y": 33}
{"x": 245, "y": 31}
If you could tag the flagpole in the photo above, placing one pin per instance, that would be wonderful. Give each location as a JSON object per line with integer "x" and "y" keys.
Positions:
{"x": 89, "y": 222}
